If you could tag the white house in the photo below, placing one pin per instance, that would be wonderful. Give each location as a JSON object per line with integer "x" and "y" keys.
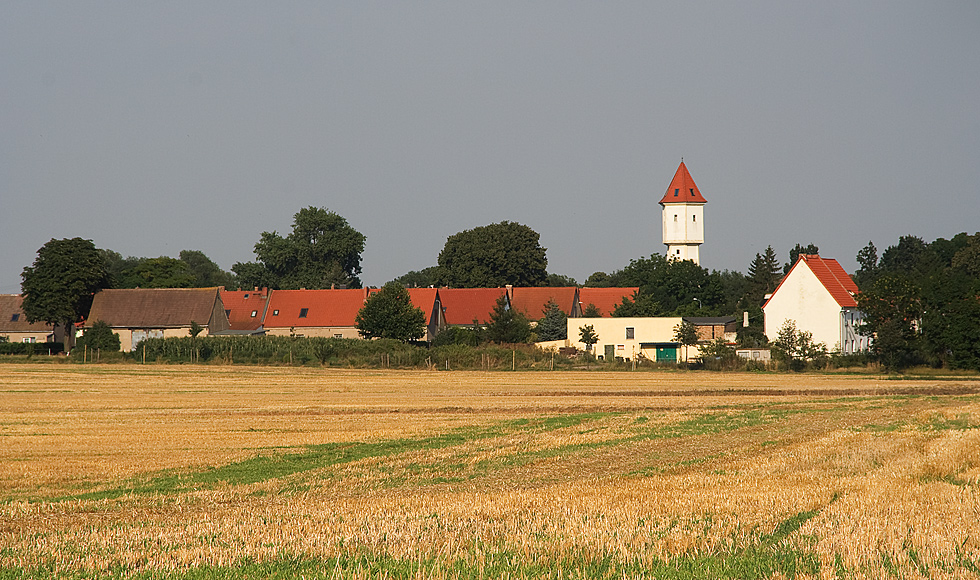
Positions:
{"x": 683, "y": 217}
{"x": 818, "y": 295}
{"x": 629, "y": 338}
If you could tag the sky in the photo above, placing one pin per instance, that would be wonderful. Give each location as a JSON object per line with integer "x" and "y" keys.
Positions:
{"x": 152, "y": 127}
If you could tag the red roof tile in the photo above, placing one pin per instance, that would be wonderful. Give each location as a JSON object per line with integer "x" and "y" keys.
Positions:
{"x": 531, "y": 301}
{"x": 465, "y": 305}
{"x": 323, "y": 308}
{"x": 240, "y": 306}
{"x": 422, "y": 298}
{"x": 606, "y": 299}
{"x": 682, "y": 188}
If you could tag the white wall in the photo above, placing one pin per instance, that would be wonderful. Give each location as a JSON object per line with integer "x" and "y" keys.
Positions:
{"x": 802, "y": 298}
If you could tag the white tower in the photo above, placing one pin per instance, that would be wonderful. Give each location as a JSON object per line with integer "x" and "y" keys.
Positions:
{"x": 683, "y": 213}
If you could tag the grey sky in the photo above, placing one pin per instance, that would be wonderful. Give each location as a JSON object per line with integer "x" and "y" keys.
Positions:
{"x": 155, "y": 127}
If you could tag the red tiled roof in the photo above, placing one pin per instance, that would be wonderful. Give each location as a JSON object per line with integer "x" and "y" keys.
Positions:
{"x": 324, "y": 308}
{"x": 13, "y": 319}
{"x": 422, "y": 298}
{"x": 240, "y": 304}
{"x": 154, "y": 307}
{"x": 531, "y": 301}
{"x": 831, "y": 275}
{"x": 606, "y": 299}
{"x": 464, "y": 305}
{"x": 682, "y": 188}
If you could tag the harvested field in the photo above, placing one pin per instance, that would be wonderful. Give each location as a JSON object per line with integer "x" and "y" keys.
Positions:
{"x": 183, "y": 471}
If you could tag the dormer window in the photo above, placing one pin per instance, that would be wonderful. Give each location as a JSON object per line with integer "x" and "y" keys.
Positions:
{"x": 14, "y": 317}
{"x": 303, "y": 311}
{"x": 254, "y": 312}
{"x": 275, "y": 313}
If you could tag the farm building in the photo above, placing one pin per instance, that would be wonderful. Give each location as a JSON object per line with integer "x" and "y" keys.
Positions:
{"x": 15, "y": 328}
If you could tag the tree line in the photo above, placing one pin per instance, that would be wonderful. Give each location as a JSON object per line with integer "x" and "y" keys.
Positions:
{"x": 919, "y": 299}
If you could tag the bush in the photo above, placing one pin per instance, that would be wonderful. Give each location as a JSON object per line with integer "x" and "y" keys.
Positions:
{"x": 30, "y": 348}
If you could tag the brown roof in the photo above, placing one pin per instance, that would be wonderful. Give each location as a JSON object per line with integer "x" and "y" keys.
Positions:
{"x": 154, "y": 307}
{"x": 13, "y": 319}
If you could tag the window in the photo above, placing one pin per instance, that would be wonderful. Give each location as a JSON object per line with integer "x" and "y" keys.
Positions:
{"x": 694, "y": 217}
{"x": 629, "y": 333}
{"x": 303, "y": 311}
{"x": 692, "y": 192}
{"x": 14, "y": 317}
{"x": 254, "y": 312}
{"x": 228, "y": 313}
{"x": 246, "y": 295}
{"x": 620, "y": 347}
{"x": 678, "y": 252}
{"x": 275, "y": 313}
{"x": 676, "y": 192}
{"x": 675, "y": 217}
{"x": 338, "y": 336}
{"x": 30, "y": 339}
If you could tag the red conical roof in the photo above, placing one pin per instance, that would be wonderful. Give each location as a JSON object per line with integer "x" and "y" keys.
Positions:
{"x": 682, "y": 188}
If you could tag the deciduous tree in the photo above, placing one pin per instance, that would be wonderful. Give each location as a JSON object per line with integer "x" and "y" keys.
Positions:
{"x": 59, "y": 286}
{"x": 493, "y": 256}
{"x": 389, "y": 313}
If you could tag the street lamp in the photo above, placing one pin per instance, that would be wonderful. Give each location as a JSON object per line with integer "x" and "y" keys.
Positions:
{"x": 698, "y": 300}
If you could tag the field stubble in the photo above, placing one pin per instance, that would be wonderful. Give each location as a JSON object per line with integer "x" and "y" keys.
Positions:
{"x": 169, "y": 468}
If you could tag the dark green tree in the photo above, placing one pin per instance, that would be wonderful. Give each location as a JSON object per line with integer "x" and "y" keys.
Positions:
{"x": 867, "y": 258}
{"x": 493, "y": 256}
{"x": 507, "y": 325}
{"x": 597, "y": 280}
{"x": 639, "y": 304}
{"x": 554, "y": 324}
{"x": 322, "y": 250}
{"x": 910, "y": 258}
{"x": 389, "y": 313}
{"x": 764, "y": 272}
{"x": 204, "y": 272}
{"x": 560, "y": 281}
{"x": 162, "y": 272}
{"x": 99, "y": 337}
{"x": 591, "y": 311}
{"x": 59, "y": 286}
{"x": 681, "y": 287}
{"x": 423, "y": 278}
{"x": 892, "y": 308}
{"x": 794, "y": 255}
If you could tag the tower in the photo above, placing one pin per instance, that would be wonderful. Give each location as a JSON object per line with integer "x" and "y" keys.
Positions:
{"x": 683, "y": 216}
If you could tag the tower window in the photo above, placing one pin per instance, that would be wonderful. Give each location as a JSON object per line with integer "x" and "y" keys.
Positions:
{"x": 676, "y": 192}
{"x": 678, "y": 252}
{"x": 694, "y": 217}
{"x": 675, "y": 217}
{"x": 692, "y": 192}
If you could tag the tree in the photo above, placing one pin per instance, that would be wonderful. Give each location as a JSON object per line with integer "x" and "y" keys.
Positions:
{"x": 493, "y": 256}
{"x": 639, "y": 304}
{"x": 764, "y": 272}
{"x": 99, "y": 337}
{"x": 676, "y": 284}
{"x": 868, "y": 259}
{"x": 162, "y": 272}
{"x": 795, "y": 347}
{"x": 423, "y": 278}
{"x": 794, "y": 255}
{"x": 686, "y": 333}
{"x": 559, "y": 281}
{"x": 591, "y": 311}
{"x": 892, "y": 308}
{"x": 507, "y": 325}
{"x": 718, "y": 355}
{"x": 588, "y": 336}
{"x": 204, "y": 272}
{"x": 597, "y": 280}
{"x": 389, "y": 313}
{"x": 59, "y": 287}
{"x": 554, "y": 324}
{"x": 322, "y": 250}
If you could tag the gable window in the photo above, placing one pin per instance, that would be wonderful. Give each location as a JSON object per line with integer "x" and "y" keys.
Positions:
{"x": 303, "y": 311}
{"x": 692, "y": 192}
{"x": 275, "y": 313}
{"x": 676, "y": 192}
{"x": 629, "y": 333}
{"x": 254, "y": 312}
{"x": 14, "y": 317}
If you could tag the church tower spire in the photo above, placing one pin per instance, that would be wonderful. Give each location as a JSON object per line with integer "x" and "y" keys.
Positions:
{"x": 683, "y": 217}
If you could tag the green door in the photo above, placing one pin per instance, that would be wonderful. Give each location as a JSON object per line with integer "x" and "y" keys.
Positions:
{"x": 610, "y": 352}
{"x": 666, "y": 354}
